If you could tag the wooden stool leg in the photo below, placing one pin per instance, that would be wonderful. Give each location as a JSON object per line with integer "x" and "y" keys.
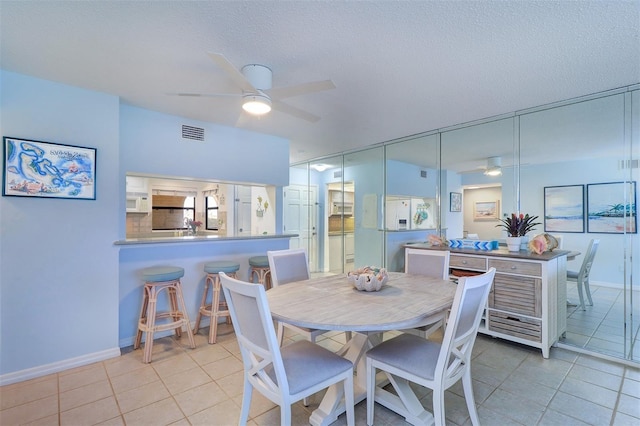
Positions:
{"x": 175, "y": 309}
{"x": 203, "y": 305}
{"x": 142, "y": 319}
{"x": 215, "y": 306}
{"x": 151, "y": 322}
{"x": 185, "y": 316}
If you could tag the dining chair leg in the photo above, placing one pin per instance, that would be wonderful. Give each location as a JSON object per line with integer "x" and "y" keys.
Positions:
{"x": 581, "y": 296}
{"x": 468, "y": 396}
{"x": 246, "y": 402}
{"x": 438, "y": 407}
{"x": 588, "y": 291}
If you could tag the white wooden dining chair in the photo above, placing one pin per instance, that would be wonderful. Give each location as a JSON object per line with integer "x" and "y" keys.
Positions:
{"x": 288, "y": 266}
{"x": 283, "y": 375}
{"x": 430, "y": 263}
{"x": 408, "y": 358}
{"x": 581, "y": 277}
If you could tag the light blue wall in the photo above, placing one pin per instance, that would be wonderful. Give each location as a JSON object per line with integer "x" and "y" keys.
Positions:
{"x": 151, "y": 142}
{"x": 59, "y": 268}
{"x": 60, "y": 272}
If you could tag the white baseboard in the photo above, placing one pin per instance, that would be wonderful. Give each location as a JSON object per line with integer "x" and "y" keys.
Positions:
{"x": 43, "y": 370}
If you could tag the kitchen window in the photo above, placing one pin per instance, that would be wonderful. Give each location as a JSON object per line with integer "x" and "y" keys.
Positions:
{"x": 172, "y": 212}
{"x": 211, "y": 219}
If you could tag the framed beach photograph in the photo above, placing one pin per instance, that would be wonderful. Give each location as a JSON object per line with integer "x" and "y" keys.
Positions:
{"x": 564, "y": 208}
{"x": 486, "y": 210}
{"x": 611, "y": 208}
{"x": 455, "y": 202}
{"x": 49, "y": 170}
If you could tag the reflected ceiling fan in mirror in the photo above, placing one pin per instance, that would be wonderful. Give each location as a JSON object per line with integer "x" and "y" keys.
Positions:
{"x": 258, "y": 96}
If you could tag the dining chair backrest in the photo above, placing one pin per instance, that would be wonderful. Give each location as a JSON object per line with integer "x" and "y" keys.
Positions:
{"x": 462, "y": 326}
{"x": 283, "y": 375}
{"x": 430, "y": 263}
{"x": 288, "y": 266}
{"x": 253, "y": 327}
{"x": 587, "y": 262}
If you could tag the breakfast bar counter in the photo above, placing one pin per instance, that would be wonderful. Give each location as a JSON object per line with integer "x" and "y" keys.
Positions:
{"x": 190, "y": 253}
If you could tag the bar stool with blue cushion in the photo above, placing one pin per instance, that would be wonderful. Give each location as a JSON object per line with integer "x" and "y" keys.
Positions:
{"x": 156, "y": 280}
{"x": 216, "y": 308}
{"x": 259, "y": 267}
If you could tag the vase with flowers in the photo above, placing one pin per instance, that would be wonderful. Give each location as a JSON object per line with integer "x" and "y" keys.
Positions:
{"x": 517, "y": 226}
{"x": 193, "y": 226}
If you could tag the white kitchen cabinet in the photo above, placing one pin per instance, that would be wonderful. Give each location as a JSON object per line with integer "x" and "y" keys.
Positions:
{"x": 339, "y": 260}
{"x": 137, "y": 184}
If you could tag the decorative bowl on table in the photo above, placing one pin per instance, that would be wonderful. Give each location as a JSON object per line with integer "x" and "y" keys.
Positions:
{"x": 368, "y": 278}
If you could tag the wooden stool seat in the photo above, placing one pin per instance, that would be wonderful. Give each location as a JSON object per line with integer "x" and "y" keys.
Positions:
{"x": 259, "y": 267}
{"x": 216, "y": 308}
{"x": 157, "y": 280}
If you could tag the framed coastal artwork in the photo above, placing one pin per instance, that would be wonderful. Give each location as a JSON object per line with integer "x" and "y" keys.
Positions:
{"x": 486, "y": 210}
{"x": 49, "y": 170}
{"x": 564, "y": 208}
{"x": 611, "y": 208}
{"x": 455, "y": 202}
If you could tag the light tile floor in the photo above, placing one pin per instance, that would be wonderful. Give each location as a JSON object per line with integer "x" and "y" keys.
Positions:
{"x": 513, "y": 385}
{"x": 600, "y": 328}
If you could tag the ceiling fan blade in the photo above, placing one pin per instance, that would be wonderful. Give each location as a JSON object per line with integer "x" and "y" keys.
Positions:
{"x": 296, "y": 112}
{"x": 238, "y": 78}
{"x": 206, "y": 95}
{"x": 300, "y": 89}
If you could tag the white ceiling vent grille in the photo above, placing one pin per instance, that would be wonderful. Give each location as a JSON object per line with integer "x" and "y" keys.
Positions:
{"x": 193, "y": 133}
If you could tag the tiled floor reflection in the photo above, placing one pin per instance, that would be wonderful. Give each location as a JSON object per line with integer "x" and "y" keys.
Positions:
{"x": 600, "y": 328}
{"x": 513, "y": 385}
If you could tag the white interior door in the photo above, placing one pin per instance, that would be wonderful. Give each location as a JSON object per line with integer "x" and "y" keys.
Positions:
{"x": 300, "y": 217}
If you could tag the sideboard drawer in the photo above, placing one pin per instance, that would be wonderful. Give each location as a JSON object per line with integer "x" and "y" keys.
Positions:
{"x": 468, "y": 262}
{"x": 515, "y": 325}
{"x": 514, "y": 267}
{"x": 521, "y": 295}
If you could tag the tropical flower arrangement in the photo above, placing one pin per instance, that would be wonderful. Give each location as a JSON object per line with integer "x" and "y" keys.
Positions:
{"x": 193, "y": 225}
{"x": 262, "y": 207}
{"x": 518, "y": 225}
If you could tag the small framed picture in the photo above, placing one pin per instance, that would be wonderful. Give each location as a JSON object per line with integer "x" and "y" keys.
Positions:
{"x": 49, "y": 170}
{"x": 486, "y": 210}
{"x": 564, "y": 208}
{"x": 455, "y": 202}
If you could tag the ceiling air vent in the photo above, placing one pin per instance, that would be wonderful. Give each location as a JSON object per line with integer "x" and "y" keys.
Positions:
{"x": 193, "y": 133}
{"x": 628, "y": 164}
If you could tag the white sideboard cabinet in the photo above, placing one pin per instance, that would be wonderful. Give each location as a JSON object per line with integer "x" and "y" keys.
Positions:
{"x": 528, "y": 300}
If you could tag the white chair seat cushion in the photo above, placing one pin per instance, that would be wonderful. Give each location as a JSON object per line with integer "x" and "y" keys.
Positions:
{"x": 307, "y": 364}
{"x": 413, "y": 354}
{"x": 572, "y": 274}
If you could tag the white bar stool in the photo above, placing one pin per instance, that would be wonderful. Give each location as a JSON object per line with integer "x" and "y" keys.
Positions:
{"x": 216, "y": 308}
{"x": 259, "y": 267}
{"x": 157, "y": 280}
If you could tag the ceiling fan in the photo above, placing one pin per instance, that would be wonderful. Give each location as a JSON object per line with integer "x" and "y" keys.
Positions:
{"x": 258, "y": 95}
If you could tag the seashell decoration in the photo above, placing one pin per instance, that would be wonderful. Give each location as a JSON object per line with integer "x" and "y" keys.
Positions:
{"x": 368, "y": 278}
{"x": 542, "y": 242}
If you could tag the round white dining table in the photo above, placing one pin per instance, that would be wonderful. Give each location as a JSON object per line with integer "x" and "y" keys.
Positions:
{"x": 332, "y": 303}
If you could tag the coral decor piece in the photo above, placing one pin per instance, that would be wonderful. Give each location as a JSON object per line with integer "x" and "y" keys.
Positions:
{"x": 518, "y": 225}
{"x": 368, "y": 278}
{"x": 542, "y": 242}
{"x": 435, "y": 240}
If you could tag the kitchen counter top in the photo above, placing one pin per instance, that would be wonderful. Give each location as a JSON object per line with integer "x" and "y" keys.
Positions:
{"x": 198, "y": 239}
{"x": 500, "y": 252}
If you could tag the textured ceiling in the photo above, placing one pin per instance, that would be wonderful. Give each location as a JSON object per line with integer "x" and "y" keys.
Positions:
{"x": 400, "y": 68}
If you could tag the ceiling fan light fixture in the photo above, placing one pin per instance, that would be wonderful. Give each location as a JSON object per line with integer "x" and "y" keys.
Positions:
{"x": 256, "y": 104}
{"x": 494, "y": 166}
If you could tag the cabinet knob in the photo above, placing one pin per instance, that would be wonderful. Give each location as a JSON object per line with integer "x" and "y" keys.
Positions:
{"x": 513, "y": 267}
{"x": 464, "y": 262}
